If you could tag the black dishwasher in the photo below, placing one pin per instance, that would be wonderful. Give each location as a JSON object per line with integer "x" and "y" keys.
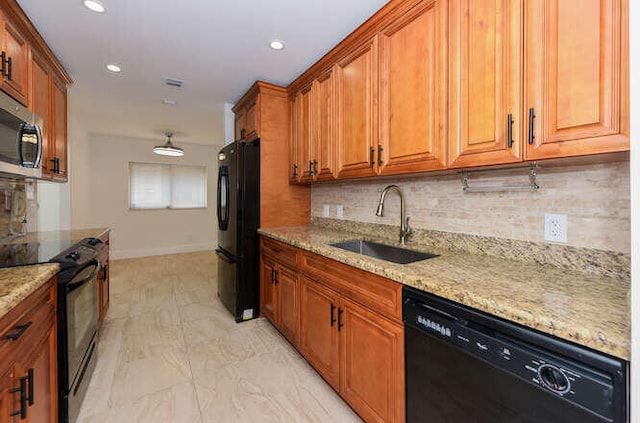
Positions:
{"x": 463, "y": 365}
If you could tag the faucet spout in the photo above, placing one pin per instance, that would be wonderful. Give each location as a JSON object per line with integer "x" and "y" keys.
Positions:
{"x": 404, "y": 221}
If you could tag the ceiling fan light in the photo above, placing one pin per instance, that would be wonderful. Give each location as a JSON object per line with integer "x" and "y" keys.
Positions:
{"x": 168, "y": 149}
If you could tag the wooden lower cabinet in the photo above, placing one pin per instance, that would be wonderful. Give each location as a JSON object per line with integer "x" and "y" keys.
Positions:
{"x": 287, "y": 290}
{"x": 344, "y": 321}
{"x": 372, "y": 364}
{"x": 318, "y": 334}
{"x": 267, "y": 289}
{"x": 28, "y": 360}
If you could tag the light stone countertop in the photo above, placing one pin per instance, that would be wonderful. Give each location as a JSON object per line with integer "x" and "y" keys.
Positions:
{"x": 17, "y": 283}
{"x": 590, "y": 310}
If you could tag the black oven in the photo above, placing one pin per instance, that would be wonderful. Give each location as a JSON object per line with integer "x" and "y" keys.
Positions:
{"x": 77, "y": 323}
{"x": 466, "y": 366}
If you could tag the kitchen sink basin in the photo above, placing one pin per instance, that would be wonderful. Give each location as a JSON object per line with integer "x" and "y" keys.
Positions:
{"x": 382, "y": 251}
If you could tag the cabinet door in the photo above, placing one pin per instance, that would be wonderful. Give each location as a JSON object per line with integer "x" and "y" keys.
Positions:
{"x": 17, "y": 50}
{"x": 372, "y": 364}
{"x": 304, "y": 133}
{"x": 318, "y": 329}
{"x": 356, "y": 91}
{"x": 413, "y": 91}
{"x": 268, "y": 304}
{"x": 577, "y": 77}
{"x": 41, "y": 105}
{"x": 288, "y": 302}
{"x": 239, "y": 125}
{"x": 324, "y": 128}
{"x": 60, "y": 130}
{"x": 43, "y": 399}
{"x": 294, "y": 156}
{"x": 485, "y": 105}
{"x": 252, "y": 122}
{"x": 7, "y": 403}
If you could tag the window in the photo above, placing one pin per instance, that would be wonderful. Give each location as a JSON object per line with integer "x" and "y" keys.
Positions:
{"x": 165, "y": 186}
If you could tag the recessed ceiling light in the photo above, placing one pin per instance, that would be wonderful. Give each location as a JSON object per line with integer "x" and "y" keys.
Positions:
{"x": 168, "y": 102}
{"x": 276, "y": 44}
{"x": 113, "y": 68}
{"x": 94, "y": 5}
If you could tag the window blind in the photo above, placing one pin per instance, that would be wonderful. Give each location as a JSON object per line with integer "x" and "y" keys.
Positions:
{"x": 167, "y": 186}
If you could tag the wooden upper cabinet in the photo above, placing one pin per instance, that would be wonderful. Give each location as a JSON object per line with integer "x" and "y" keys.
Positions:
{"x": 247, "y": 118}
{"x": 576, "y": 80}
{"x": 239, "y": 125}
{"x": 16, "y": 62}
{"x": 294, "y": 165}
{"x": 304, "y": 138}
{"x": 325, "y": 147}
{"x": 413, "y": 91}
{"x": 356, "y": 93}
{"x": 60, "y": 130}
{"x": 251, "y": 123}
{"x": 40, "y": 104}
{"x": 485, "y": 74}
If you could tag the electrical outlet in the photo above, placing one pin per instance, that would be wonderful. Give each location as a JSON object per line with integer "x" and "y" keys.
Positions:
{"x": 325, "y": 210}
{"x": 555, "y": 227}
{"x": 340, "y": 211}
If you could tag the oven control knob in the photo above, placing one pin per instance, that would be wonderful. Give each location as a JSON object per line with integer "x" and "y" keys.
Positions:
{"x": 553, "y": 378}
{"x": 75, "y": 256}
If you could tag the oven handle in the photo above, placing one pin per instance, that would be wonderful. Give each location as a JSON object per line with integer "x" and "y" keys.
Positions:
{"x": 75, "y": 285}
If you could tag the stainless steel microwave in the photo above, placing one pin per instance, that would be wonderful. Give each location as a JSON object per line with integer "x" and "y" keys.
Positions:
{"x": 20, "y": 140}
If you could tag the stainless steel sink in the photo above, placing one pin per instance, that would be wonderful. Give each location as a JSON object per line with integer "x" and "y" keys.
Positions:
{"x": 382, "y": 251}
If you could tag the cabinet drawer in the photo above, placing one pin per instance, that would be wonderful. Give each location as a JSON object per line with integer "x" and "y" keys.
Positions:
{"x": 282, "y": 253}
{"x": 379, "y": 294}
{"x": 24, "y": 327}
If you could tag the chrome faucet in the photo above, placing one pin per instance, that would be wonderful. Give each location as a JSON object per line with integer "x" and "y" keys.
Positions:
{"x": 404, "y": 221}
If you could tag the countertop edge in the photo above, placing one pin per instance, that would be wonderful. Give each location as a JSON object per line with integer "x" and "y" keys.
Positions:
{"x": 17, "y": 283}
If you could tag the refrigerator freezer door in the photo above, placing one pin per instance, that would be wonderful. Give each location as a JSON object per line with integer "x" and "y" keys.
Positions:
{"x": 227, "y": 280}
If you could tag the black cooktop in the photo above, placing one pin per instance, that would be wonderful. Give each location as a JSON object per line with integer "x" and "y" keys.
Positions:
{"x": 32, "y": 252}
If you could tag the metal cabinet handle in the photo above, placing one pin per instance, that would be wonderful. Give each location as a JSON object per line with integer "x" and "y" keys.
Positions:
{"x": 379, "y": 155}
{"x": 340, "y": 324}
{"x": 310, "y": 168}
{"x": 30, "y": 386}
{"x": 21, "y": 330}
{"x": 273, "y": 275}
{"x": 509, "y": 130}
{"x": 242, "y": 134}
{"x": 295, "y": 170}
{"x": 333, "y": 319}
{"x": 531, "y": 118}
{"x": 315, "y": 167}
{"x": 276, "y": 274}
{"x": 3, "y": 58}
{"x": 10, "y": 72}
{"x": 23, "y": 398}
{"x": 371, "y": 150}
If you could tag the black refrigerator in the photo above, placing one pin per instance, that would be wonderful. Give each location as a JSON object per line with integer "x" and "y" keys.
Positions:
{"x": 238, "y": 211}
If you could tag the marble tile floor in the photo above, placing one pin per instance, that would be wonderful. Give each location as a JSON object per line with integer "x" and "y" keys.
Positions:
{"x": 170, "y": 352}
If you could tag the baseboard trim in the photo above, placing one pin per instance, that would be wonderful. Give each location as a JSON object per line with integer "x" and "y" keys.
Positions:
{"x": 147, "y": 252}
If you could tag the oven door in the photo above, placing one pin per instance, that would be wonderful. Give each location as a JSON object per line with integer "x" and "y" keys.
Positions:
{"x": 82, "y": 316}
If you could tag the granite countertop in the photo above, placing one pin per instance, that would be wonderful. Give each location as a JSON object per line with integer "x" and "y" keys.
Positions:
{"x": 17, "y": 283}
{"x": 588, "y": 309}
{"x": 64, "y": 235}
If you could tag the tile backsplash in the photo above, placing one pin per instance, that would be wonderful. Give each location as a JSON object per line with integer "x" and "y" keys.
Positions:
{"x": 595, "y": 198}
{"x": 18, "y": 207}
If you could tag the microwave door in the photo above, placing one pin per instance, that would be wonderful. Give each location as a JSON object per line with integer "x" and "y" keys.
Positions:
{"x": 29, "y": 145}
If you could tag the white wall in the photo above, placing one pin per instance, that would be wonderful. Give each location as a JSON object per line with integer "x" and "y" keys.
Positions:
{"x": 229, "y": 124}
{"x": 54, "y": 206}
{"x": 143, "y": 232}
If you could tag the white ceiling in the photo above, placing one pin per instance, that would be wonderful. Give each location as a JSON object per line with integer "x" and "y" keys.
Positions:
{"x": 218, "y": 47}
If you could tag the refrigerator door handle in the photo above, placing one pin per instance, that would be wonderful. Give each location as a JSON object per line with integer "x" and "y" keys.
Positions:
{"x": 222, "y": 255}
{"x": 223, "y": 198}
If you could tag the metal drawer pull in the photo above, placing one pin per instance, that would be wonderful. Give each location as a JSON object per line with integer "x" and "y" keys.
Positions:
{"x": 340, "y": 324}
{"x": 509, "y": 130}
{"x": 333, "y": 319}
{"x": 21, "y": 330}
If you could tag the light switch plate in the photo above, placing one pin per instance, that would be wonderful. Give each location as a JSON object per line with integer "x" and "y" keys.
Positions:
{"x": 340, "y": 211}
